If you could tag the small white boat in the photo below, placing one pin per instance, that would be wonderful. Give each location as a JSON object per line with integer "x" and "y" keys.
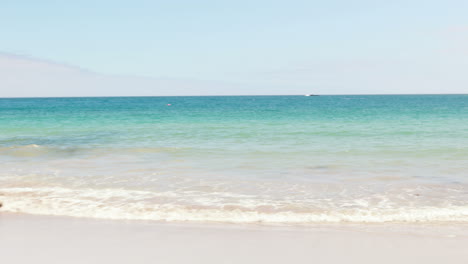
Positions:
{"x": 311, "y": 95}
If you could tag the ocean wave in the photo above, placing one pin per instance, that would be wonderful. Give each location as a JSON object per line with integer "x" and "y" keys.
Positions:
{"x": 221, "y": 207}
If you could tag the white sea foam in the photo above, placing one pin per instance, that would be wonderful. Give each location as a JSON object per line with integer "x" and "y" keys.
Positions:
{"x": 218, "y": 207}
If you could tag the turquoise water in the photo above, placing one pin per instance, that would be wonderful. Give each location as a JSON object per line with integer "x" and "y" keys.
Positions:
{"x": 269, "y": 159}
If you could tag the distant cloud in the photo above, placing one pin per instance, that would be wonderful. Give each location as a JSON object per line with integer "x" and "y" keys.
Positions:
{"x": 31, "y": 61}
{"x": 457, "y": 29}
{"x": 24, "y": 76}
{"x": 376, "y": 76}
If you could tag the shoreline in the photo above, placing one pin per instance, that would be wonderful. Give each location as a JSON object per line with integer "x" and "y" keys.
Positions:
{"x": 56, "y": 239}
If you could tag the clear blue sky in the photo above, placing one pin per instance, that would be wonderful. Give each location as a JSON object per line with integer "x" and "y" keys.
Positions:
{"x": 335, "y": 44}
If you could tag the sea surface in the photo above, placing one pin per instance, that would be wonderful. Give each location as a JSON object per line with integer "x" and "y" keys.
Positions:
{"x": 291, "y": 160}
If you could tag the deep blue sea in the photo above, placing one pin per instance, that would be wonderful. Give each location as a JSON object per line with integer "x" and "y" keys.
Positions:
{"x": 238, "y": 159}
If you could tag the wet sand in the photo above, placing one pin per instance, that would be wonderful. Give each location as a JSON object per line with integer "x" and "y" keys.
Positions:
{"x": 44, "y": 239}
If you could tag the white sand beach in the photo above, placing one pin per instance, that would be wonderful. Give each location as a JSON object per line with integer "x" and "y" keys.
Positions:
{"x": 44, "y": 239}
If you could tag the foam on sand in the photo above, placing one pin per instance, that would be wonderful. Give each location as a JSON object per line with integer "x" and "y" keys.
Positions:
{"x": 223, "y": 207}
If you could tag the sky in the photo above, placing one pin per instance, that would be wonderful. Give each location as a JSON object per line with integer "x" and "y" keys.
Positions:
{"x": 181, "y": 47}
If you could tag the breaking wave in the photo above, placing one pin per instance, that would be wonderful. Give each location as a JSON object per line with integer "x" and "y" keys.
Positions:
{"x": 226, "y": 207}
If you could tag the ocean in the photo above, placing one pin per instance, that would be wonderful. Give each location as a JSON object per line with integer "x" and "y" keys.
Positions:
{"x": 282, "y": 160}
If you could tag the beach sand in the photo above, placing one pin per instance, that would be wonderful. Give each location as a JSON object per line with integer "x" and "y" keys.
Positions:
{"x": 47, "y": 239}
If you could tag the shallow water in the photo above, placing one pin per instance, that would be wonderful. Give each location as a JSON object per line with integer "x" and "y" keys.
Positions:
{"x": 250, "y": 159}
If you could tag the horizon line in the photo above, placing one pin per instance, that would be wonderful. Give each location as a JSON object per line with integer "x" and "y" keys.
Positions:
{"x": 120, "y": 96}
